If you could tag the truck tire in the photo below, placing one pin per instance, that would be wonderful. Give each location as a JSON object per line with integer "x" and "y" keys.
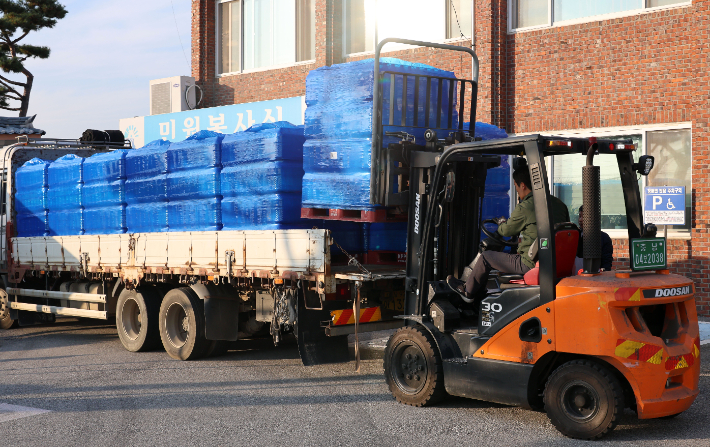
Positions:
{"x": 5, "y": 321}
{"x": 182, "y": 325}
{"x": 413, "y": 368}
{"x": 137, "y": 319}
{"x": 583, "y": 399}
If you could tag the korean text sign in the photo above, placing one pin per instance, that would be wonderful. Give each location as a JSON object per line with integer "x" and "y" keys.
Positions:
{"x": 664, "y": 205}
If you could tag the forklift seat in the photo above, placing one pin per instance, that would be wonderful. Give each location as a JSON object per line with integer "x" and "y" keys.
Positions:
{"x": 566, "y": 241}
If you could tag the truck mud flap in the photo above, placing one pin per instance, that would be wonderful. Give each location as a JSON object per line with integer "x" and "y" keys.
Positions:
{"x": 314, "y": 347}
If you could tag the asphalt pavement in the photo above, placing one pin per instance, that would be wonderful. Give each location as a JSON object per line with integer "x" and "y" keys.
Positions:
{"x": 74, "y": 384}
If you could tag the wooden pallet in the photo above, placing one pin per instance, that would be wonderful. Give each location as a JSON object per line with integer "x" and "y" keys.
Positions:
{"x": 369, "y": 216}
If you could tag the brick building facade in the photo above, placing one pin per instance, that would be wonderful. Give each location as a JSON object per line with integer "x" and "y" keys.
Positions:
{"x": 642, "y": 73}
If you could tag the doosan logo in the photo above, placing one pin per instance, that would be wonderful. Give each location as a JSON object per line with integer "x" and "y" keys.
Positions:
{"x": 417, "y": 202}
{"x": 672, "y": 291}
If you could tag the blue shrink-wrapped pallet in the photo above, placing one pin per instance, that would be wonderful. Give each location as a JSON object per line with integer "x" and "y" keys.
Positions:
{"x": 194, "y": 193}
{"x": 104, "y": 193}
{"x": 496, "y": 201}
{"x": 147, "y": 188}
{"x": 486, "y": 131}
{"x": 277, "y": 211}
{"x": 194, "y": 184}
{"x": 105, "y": 166}
{"x": 66, "y": 210}
{"x": 151, "y": 159}
{"x": 261, "y": 178}
{"x": 268, "y": 142}
{"x": 349, "y": 235}
{"x": 200, "y": 150}
{"x": 32, "y": 224}
{"x": 195, "y": 215}
{"x": 147, "y": 217}
{"x": 31, "y": 186}
{"x": 385, "y": 236}
{"x": 338, "y": 125}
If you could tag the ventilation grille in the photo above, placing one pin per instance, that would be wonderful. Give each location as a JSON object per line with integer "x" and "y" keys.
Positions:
{"x": 160, "y": 98}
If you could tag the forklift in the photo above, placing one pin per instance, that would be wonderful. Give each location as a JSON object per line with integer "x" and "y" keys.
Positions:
{"x": 582, "y": 346}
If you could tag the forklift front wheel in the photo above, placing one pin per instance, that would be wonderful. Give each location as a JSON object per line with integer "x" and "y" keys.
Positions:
{"x": 413, "y": 368}
{"x": 583, "y": 399}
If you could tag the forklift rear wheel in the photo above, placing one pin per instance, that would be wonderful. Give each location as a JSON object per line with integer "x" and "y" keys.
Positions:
{"x": 182, "y": 325}
{"x": 583, "y": 399}
{"x": 413, "y": 368}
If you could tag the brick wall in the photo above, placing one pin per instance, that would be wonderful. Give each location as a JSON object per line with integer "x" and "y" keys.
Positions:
{"x": 650, "y": 68}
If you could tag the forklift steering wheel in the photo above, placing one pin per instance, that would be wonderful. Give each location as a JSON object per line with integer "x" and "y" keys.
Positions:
{"x": 495, "y": 235}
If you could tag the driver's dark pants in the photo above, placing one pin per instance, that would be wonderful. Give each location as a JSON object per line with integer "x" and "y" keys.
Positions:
{"x": 491, "y": 260}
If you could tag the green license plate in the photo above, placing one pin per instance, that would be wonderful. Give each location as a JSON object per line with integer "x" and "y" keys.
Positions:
{"x": 648, "y": 254}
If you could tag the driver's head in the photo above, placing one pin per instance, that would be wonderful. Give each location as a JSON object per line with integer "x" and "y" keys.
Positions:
{"x": 521, "y": 179}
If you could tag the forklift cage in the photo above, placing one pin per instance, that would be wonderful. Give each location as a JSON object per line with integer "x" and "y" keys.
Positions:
{"x": 380, "y": 183}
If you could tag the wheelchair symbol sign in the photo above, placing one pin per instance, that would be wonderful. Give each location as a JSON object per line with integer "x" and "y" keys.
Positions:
{"x": 664, "y": 205}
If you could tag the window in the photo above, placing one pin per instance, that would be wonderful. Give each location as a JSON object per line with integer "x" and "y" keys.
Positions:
{"x": 528, "y": 13}
{"x": 536, "y": 13}
{"x": 458, "y": 20}
{"x": 671, "y": 149}
{"x": 257, "y": 34}
{"x": 428, "y": 20}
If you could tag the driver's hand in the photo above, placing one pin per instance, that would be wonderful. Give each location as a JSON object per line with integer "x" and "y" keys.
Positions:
{"x": 500, "y": 220}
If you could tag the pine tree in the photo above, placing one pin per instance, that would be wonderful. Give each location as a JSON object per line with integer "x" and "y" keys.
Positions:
{"x": 18, "y": 18}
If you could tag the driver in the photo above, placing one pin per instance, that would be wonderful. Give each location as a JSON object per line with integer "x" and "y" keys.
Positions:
{"x": 522, "y": 221}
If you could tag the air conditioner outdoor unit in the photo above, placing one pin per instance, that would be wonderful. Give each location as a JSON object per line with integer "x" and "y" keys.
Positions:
{"x": 169, "y": 95}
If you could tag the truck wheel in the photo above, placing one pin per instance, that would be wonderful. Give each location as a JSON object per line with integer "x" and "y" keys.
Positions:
{"x": 137, "y": 319}
{"x": 182, "y": 325}
{"x": 413, "y": 368}
{"x": 5, "y": 321}
{"x": 583, "y": 399}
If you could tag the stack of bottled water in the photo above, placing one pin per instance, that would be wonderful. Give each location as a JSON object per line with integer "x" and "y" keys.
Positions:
{"x": 31, "y": 198}
{"x": 147, "y": 188}
{"x": 194, "y": 192}
{"x": 104, "y": 193}
{"x": 66, "y": 208}
{"x": 261, "y": 178}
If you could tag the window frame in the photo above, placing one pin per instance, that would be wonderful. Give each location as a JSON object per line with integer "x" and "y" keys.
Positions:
{"x": 613, "y": 15}
{"x": 392, "y": 48}
{"x": 218, "y": 45}
{"x": 602, "y": 132}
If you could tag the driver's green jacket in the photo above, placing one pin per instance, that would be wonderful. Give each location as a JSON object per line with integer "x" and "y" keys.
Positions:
{"x": 523, "y": 221}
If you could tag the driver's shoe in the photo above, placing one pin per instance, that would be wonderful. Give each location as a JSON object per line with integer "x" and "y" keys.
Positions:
{"x": 457, "y": 286}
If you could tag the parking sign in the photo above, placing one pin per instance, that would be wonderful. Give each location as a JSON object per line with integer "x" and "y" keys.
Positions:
{"x": 664, "y": 205}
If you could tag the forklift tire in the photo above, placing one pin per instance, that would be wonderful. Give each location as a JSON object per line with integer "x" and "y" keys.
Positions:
{"x": 182, "y": 325}
{"x": 413, "y": 369}
{"x": 583, "y": 399}
{"x": 137, "y": 319}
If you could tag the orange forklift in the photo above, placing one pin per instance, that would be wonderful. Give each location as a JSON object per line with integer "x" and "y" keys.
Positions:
{"x": 583, "y": 347}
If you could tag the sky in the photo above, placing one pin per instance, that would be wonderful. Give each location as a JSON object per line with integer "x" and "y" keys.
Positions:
{"x": 103, "y": 55}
